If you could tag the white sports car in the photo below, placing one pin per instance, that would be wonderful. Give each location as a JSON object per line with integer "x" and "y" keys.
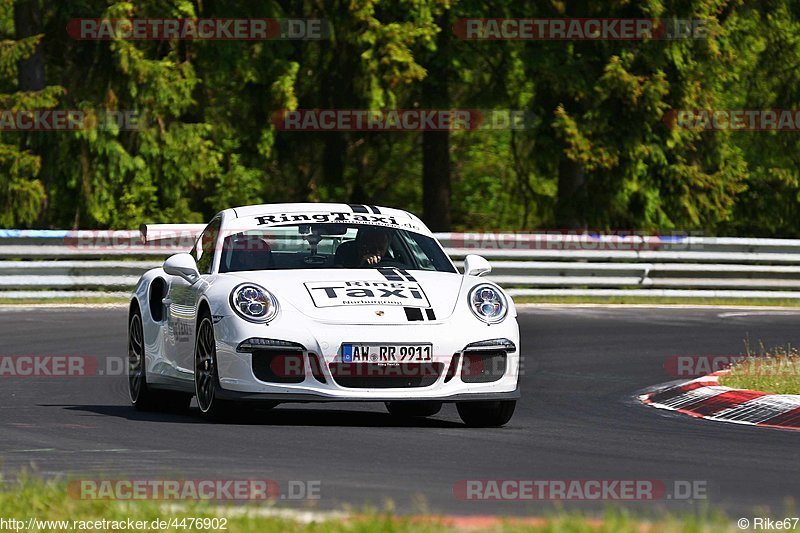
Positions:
{"x": 321, "y": 302}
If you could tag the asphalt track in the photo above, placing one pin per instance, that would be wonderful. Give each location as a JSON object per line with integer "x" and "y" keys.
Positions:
{"x": 577, "y": 420}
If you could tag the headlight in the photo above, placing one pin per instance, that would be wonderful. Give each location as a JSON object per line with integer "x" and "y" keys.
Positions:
{"x": 254, "y": 303}
{"x": 488, "y": 303}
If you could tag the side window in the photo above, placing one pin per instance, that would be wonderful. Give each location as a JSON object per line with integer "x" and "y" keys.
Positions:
{"x": 204, "y": 248}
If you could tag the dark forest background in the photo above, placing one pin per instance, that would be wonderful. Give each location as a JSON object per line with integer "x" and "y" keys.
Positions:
{"x": 598, "y": 156}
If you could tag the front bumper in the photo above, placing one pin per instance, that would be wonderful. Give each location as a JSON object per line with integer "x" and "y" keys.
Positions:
{"x": 313, "y": 397}
{"x": 323, "y": 342}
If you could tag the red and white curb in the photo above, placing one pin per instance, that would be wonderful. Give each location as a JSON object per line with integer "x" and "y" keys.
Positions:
{"x": 705, "y": 398}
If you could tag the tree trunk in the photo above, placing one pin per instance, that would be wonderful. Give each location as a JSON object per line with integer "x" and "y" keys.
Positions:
{"x": 436, "y": 180}
{"x": 30, "y": 77}
{"x": 28, "y": 22}
{"x": 338, "y": 91}
{"x": 571, "y": 202}
{"x": 436, "y": 144}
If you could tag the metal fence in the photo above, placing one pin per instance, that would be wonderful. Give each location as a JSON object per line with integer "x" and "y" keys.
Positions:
{"x": 48, "y": 264}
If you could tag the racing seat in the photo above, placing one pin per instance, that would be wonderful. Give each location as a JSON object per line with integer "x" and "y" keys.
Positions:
{"x": 245, "y": 252}
{"x": 346, "y": 255}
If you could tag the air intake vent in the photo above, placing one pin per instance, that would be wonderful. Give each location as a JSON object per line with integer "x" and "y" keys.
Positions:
{"x": 483, "y": 366}
{"x": 275, "y": 367}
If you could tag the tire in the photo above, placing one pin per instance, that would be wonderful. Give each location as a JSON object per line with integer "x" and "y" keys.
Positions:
{"x": 143, "y": 396}
{"x": 206, "y": 378}
{"x": 408, "y": 409}
{"x": 486, "y": 414}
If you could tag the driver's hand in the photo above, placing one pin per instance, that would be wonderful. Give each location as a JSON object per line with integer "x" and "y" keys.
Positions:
{"x": 371, "y": 259}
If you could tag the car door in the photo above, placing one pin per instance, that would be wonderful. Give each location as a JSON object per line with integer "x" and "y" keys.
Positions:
{"x": 183, "y": 299}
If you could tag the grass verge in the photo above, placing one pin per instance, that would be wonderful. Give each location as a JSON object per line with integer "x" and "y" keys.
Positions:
{"x": 776, "y": 371}
{"x": 62, "y": 301}
{"x": 658, "y": 300}
{"x": 43, "y": 501}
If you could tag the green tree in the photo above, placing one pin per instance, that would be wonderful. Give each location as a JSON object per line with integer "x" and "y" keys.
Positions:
{"x": 602, "y": 133}
{"x": 22, "y": 194}
{"x": 767, "y": 38}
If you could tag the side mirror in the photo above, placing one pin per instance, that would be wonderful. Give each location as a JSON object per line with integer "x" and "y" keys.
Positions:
{"x": 182, "y": 265}
{"x": 475, "y": 265}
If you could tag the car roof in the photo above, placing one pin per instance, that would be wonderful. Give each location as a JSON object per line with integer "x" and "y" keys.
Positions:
{"x": 367, "y": 212}
{"x": 316, "y": 207}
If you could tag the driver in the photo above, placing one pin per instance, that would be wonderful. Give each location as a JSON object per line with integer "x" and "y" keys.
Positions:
{"x": 372, "y": 245}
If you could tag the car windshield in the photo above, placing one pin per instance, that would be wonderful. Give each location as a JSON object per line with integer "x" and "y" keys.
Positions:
{"x": 330, "y": 246}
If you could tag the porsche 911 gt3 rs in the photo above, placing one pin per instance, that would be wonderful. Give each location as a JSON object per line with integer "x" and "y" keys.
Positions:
{"x": 321, "y": 302}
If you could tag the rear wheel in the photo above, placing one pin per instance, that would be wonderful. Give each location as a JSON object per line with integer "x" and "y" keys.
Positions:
{"x": 413, "y": 409}
{"x": 143, "y": 396}
{"x": 486, "y": 414}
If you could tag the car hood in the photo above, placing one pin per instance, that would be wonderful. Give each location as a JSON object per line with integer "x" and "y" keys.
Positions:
{"x": 363, "y": 296}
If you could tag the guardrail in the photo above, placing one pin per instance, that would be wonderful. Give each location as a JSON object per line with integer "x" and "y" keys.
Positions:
{"x": 46, "y": 264}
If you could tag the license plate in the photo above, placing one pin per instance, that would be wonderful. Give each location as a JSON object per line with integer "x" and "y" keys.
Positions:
{"x": 365, "y": 352}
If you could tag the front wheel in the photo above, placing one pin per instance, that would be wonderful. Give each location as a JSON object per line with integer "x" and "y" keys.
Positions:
{"x": 206, "y": 378}
{"x": 486, "y": 414}
{"x": 407, "y": 409}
